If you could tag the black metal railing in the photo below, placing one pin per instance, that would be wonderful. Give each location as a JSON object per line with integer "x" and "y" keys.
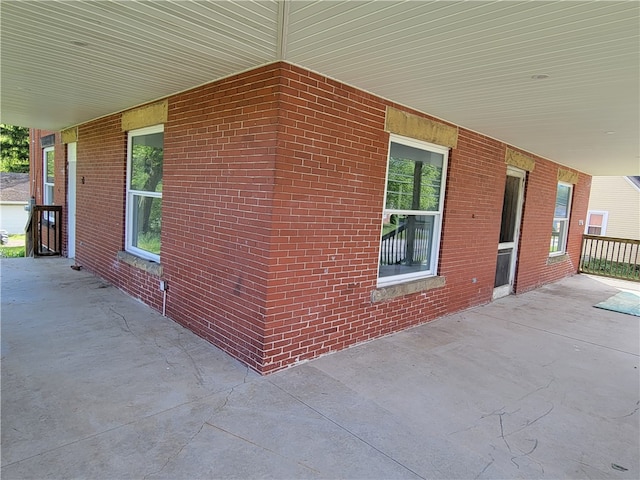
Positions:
{"x": 610, "y": 257}
{"x": 43, "y": 232}
{"x": 405, "y": 245}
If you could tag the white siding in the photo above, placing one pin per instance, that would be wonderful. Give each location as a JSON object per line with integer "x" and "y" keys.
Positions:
{"x": 621, "y": 199}
{"x": 13, "y": 216}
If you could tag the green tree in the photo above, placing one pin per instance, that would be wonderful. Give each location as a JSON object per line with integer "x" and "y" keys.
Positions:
{"x": 412, "y": 185}
{"x": 146, "y": 176}
{"x": 14, "y": 149}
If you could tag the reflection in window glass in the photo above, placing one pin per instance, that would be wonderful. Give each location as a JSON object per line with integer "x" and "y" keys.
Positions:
{"x": 146, "y": 223}
{"x": 413, "y": 210}
{"x": 144, "y": 192}
{"x": 146, "y": 162}
{"x": 560, "y": 226}
{"x": 50, "y": 160}
{"x": 414, "y": 178}
{"x": 562, "y": 201}
{"x": 48, "y": 157}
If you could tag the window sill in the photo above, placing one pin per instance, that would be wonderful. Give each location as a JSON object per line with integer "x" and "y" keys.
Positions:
{"x": 148, "y": 266}
{"x": 393, "y": 291}
{"x": 557, "y": 259}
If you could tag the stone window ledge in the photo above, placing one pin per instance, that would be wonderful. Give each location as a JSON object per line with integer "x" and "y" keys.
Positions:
{"x": 557, "y": 259}
{"x": 393, "y": 291}
{"x": 148, "y": 266}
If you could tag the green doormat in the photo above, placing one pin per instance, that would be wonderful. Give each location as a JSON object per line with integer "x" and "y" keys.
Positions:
{"x": 623, "y": 302}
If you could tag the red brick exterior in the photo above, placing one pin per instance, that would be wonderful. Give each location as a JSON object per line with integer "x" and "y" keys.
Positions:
{"x": 60, "y": 182}
{"x": 273, "y": 192}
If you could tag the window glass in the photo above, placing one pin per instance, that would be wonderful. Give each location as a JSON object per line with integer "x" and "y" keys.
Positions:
{"x": 560, "y": 226}
{"x": 146, "y": 167}
{"x": 146, "y": 223}
{"x": 414, "y": 178}
{"x": 596, "y": 222}
{"x": 406, "y": 247}
{"x": 49, "y": 159}
{"x": 413, "y": 210}
{"x": 144, "y": 193}
{"x": 562, "y": 201}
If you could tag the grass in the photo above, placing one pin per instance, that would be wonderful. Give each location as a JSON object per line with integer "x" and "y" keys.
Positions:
{"x": 150, "y": 242}
{"x": 625, "y": 271}
{"x": 16, "y": 248}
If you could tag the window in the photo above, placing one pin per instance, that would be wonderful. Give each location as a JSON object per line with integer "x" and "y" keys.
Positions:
{"x": 412, "y": 214}
{"x": 596, "y": 223}
{"x": 561, "y": 219}
{"x": 48, "y": 168}
{"x": 145, "y": 151}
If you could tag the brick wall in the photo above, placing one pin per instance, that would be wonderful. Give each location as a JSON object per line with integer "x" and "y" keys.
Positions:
{"x": 36, "y": 165}
{"x": 272, "y": 205}
{"x": 220, "y": 144}
{"x": 327, "y": 211}
{"x": 220, "y": 147}
{"x": 36, "y": 175}
{"x": 535, "y": 267}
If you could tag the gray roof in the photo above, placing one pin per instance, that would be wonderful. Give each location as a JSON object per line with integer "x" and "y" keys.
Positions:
{"x": 14, "y": 187}
{"x": 635, "y": 181}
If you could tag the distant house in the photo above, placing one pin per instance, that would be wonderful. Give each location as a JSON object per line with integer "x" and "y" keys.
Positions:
{"x": 14, "y": 197}
{"x": 614, "y": 207}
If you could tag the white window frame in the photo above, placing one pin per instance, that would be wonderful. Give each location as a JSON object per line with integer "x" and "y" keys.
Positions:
{"x": 436, "y": 214}
{"x": 562, "y": 249}
{"x": 130, "y": 204}
{"x": 603, "y": 227}
{"x": 48, "y": 187}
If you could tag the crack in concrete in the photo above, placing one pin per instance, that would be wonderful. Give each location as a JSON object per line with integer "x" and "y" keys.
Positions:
{"x": 485, "y": 467}
{"x": 206, "y": 422}
{"x": 544, "y": 387}
{"x": 126, "y": 328}
{"x": 529, "y": 423}
{"x": 590, "y": 466}
{"x": 177, "y": 454}
{"x": 251, "y": 442}
{"x": 500, "y": 414}
{"x": 502, "y": 433}
{"x": 629, "y": 414}
{"x": 526, "y": 454}
{"x": 342, "y": 427}
{"x": 198, "y": 372}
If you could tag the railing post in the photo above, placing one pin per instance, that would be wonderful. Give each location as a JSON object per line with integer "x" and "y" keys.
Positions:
{"x": 49, "y": 217}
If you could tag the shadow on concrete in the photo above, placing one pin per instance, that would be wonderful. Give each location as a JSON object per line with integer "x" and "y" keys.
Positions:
{"x": 97, "y": 385}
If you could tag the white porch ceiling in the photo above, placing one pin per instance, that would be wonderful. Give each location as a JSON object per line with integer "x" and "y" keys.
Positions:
{"x": 471, "y": 63}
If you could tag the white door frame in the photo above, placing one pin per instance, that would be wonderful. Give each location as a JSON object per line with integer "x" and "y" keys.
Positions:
{"x": 504, "y": 290}
{"x": 71, "y": 199}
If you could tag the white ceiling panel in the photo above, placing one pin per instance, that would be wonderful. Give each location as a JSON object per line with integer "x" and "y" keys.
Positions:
{"x": 471, "y": 63}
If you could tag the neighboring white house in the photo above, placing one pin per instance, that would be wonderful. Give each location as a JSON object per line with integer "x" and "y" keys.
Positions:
{"x": 14, "y": 197}
{"x": 614, "y": 207}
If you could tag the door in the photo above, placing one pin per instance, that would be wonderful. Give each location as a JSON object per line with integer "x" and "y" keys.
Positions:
{"x": 71, "y": 200}
{"x": 509, "y": 232}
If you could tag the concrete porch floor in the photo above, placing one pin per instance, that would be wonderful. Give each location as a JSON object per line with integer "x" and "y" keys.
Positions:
{"x": 96, "y": 385}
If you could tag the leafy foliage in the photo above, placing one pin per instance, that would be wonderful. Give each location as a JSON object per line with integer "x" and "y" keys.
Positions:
{"x": 146, "y": 171}
{"x": 15, "y": 247}
{"x": 608, "y": 268}
{"x": 405, "y": 176}
{"x": 14, "y": 149}
{"x": 146, "y": 177}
